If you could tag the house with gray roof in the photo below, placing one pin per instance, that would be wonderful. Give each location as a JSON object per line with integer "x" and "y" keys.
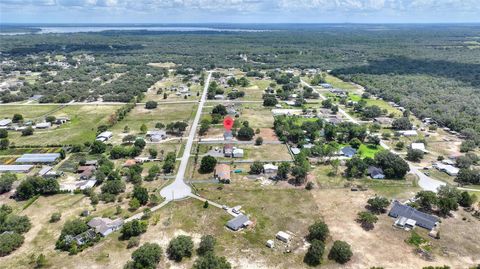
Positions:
{"x": 375, "y": 172}
{"x": 238, "y": 222}
{"x": 4, "y": 123}
{"x": 348, "y": 151}
{"x": 404, "y": 213}
{"x": 105, "y": 226}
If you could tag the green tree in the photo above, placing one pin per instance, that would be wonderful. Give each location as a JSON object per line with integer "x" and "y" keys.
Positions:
{"x": 41, "y": 261}
{"x": 426, "y": 199}
{"x": 143, "y": 128}
{"x": 211, "y": 261}
{"x": 259, "y": 141}
{"x": 318, "y": 231}
{"x": 27, "y": 131}
{"x": 466, "y": 200}
{"x": 55, "y": 217}
{"x": 414, "y": 155}
{"x": 256, "y": 168}
{"x": 151, "y": 105}
{"x": 378, "y": 204}
{"x": 3, "y": 133}
{"x": 134, "y": 204}
{"x": 133, "y": 228}
{"x": 283, "y": 170}
{"x": 367, "y": 219}
{"x": 10, "y": 242}
{"x": 50, "y": 119}
{"x": 340, "y": 252}
{"x": 314, "y": 255}
{"x": 146, "y": 257}
{"x": 98, "y": 147}
{"x": 207, "y": 244}
{"x": 17, "y": 118}
{"x": 402, "y": 124}
{"x": 169, "y": 163}
{"x": 220, "y": 109}
{"x": 356, "y": 167}
{"x": 4, "y": 143}
{"x": 180, "y": 247}
{"x": 393, "y": 165}
{"x": 207, "y": 165}
{"x": 245, "y": 133}
{"x": 6, "y": 182}
{"x": 141, "y": 194}
{"x": 113, "y": 187}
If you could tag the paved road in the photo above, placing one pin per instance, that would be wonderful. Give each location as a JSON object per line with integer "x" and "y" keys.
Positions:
{"x": 223, "y": 141}
{"x": 179, "y": 189}
{"x": 139, "y": 215}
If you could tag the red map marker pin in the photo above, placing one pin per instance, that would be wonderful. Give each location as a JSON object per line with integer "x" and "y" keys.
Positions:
{"x": 228, "y": 123}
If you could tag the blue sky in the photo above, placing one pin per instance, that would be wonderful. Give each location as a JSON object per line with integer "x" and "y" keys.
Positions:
{"x": 239, "y": 11}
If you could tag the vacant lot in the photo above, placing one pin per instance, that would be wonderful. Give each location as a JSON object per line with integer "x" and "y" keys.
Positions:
{"x": 257, "y": 115}
{"x": 28, "y": 112}
{"x": 384, "y": 245}
{"x": 81, "y": 128}
{"x": 164, "y": 113}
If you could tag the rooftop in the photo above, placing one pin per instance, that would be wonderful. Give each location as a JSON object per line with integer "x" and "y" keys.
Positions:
{"x": 423, "y": 220}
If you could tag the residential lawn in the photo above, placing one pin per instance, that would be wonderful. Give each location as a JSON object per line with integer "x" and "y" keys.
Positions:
{"x": 368, "y": 150}
{"x": 81, "y": 128}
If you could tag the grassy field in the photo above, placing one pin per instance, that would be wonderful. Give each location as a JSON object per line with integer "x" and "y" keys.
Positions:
{"x": 82, "y": 127}
{"x": 28, "y": 112}
{"x": 257, "y": 116}
{"x": 338, "y": 83}
{"x": 165, "y": 114}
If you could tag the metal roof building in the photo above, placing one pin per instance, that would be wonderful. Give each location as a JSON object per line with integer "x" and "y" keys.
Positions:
{"x": 38, "y": 158}
{"x": 238, "y": 222}
{"x": 15, "y": 168}
{"x": 423, "y": 220}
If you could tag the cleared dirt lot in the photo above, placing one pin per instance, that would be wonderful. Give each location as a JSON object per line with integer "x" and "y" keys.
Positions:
{"x": 384, "y": 245}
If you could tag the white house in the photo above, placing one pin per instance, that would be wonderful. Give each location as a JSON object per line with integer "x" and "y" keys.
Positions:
{"x": 237, "y": 153}
{"x": 408, "y": 133}
{"x": 104, "y": 136}
{"x": 270, "y": 169}
{"x": 43, "y": 125}
{"x": 419, "y": 146}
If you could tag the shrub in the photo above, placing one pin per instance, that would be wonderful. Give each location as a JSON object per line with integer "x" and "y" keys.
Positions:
{"x": 318, "y": 231}
{"x": 55, "y": 217}
{"x": 313, "y": 257}
{"x": 340, "y": 252}
{"x": 10, "y": 242}
{"x": 180, "y": 247}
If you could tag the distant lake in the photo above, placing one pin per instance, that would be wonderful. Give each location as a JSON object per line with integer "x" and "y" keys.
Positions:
{"x": 87, "y": 29}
